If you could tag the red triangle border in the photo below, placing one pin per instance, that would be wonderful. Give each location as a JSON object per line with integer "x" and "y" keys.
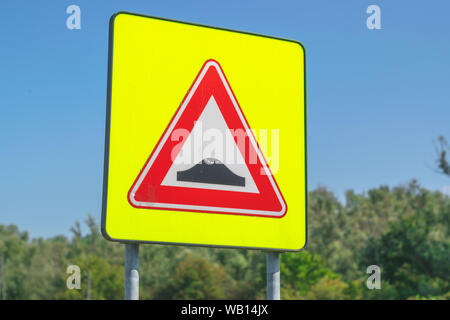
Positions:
{"x": 161, "y": 196}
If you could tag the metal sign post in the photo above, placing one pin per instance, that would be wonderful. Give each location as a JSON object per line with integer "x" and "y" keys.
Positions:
{"x": 131, "y": 271}
{"x": 273, "y": 275}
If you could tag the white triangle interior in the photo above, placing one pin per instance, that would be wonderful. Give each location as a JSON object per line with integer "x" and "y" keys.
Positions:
{"x": 195, "y": 149}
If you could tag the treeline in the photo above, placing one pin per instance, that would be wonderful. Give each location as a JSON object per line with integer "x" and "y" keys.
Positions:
{"x": 404, "y": 230}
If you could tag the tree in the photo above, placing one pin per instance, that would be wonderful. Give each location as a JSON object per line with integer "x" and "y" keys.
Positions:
{"x": 197, "y": 278}
{"x": 414, "y": 254}
{"x": 404, "y": 230}
{"x": 443, "y": 163}
{"x": 301, "y": 272}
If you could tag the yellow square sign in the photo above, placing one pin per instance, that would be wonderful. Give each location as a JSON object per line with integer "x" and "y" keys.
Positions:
{"x": 205, "y": 136}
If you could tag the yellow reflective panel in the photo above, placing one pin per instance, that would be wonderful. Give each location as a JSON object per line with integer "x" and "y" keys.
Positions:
{"x": 153, "y": 64}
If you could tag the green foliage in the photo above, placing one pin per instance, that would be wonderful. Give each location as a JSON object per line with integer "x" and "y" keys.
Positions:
{"x": 197, "y": 278}
{"x": 415, "y": 252}
{"x": 300, "y": 273}
{"x": 443, "y": 163}
{"x": 404, "y": 230}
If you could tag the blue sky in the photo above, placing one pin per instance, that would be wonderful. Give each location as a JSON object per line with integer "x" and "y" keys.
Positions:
{"x": 376, "y": 98}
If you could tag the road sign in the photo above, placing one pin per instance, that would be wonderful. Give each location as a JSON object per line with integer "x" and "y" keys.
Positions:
{"x": 205, "y": 136}
{"x": 173, "y": 179}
